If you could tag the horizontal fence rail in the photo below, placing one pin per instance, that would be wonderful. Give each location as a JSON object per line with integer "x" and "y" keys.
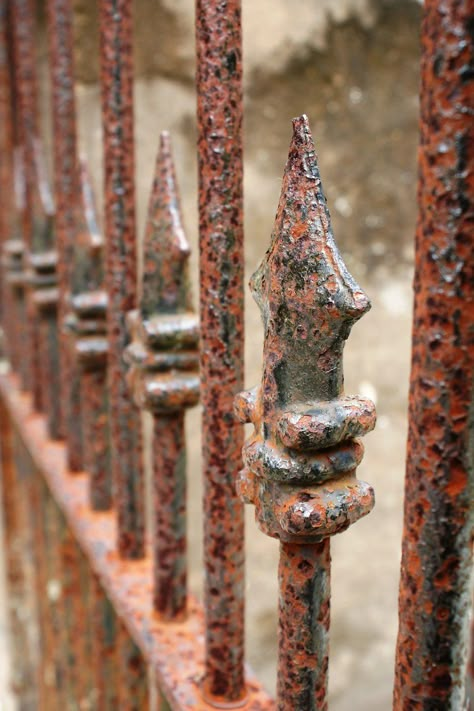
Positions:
{"x": 98, "y": 602}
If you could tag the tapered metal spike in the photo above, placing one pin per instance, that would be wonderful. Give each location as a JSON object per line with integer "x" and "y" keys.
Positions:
{"x": 165, "y": 286}
{"x": 308, "y": 299}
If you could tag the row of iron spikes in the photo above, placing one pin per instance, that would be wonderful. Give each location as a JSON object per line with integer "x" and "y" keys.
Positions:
{"x": 80, "y": 256}
{"x": 294, "y": 690}
{"x": 74, "y": 243}
{"x": 67, "y": 219}
{"x": 231, "y": 64}
{"x": 79, "y": 242}
{"x": 225, "y": 676}
{"x": 41, "y": 258}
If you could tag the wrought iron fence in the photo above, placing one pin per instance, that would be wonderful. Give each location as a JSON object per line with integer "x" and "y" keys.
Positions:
{"x": 91, "y": 346}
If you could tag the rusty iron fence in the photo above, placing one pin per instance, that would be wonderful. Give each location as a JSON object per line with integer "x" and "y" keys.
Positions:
{"x": 91, "y": 344}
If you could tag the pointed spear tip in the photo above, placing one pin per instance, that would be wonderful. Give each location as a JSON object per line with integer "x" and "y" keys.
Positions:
{"x": 302, "y": 136}
{"x": 303, "y": 219}
{"x": 164, "y": 203}
{"x": 301, "y": 125}
{"x": 166, "y": 250}
{"x": 168, "y": 186}
{"x": 165, "y": 144}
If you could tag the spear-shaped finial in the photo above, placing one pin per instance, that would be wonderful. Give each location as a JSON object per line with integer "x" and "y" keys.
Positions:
{"x": 165, "y": 287}
{"x": 300, "y": 462}
{"x": 304, "y": 428}
{"x": 308, "y": 299}
{"x": 163, "y": 376}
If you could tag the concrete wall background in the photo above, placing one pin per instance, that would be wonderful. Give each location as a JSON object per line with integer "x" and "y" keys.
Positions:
{"x": 352, "y": 66}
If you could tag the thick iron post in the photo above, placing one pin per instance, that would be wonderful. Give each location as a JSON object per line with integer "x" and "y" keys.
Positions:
{"x": 121, "y": 272}
{"x": 300, "y": 462}
{"x": 67, "y": 192}
{"x": 164, "y": 378}
{"x": 220, "y": 109}
{"x": 439, "y": 494}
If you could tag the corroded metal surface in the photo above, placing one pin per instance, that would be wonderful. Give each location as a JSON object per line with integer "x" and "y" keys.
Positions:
{"x": 220, "y": 108}
{"x": 438, "y": 523}
{"x": 103, "y": 648}
{"x": 66, "y": 192}
{"x": 88, "y": 328}
{"x": 12, "y": 259}
{"x": 48, "y": 586}
{"x": 132, "y": 674}
{"x": 304, "y": 578}
{"x": 41, "y": 278}
{"x": 164, "y": 378}
{"x": 175, "y": 651}
{"x": 300, "y": 462}
{"x": 121, "y": 273}
{"x": 26, "y": 117}
{"x": 6, "y": 161}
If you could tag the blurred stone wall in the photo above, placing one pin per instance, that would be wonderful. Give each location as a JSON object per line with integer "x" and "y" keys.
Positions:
{"x": 351, "y": 65}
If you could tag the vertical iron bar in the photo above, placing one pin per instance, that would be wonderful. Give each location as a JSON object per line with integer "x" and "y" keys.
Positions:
{"x": 48, "y": 686}
{"x": 43, "y": 284}
{"x": 39, "y": 259}
{"x": 88, "y": 326}
{"x": 54, "y": 593}
{"x": 96, "y": 432}
{"x": 49, "y": 362}
{"x": 439, "y": 490}
{"x": 82, "y": 614}
{"x": 71, "y": 623}
{"x": 26, "y": 94}
{"x": 220, "y": 111}
{"x": 15, "y": 322}
{"x": 74, "y": 618}
{"x": 121, "y": 275}
{"x": 25, "y": 473}
{"x": 470, "y": 667}
{"x": 66, "y": 190}
{"x": 169, "y": 512}
{"x": 6, "y": 169}
{"x": 132, "y": 673}
{"x": 164, "y": 377}
{"x": 37, "y": 538}
{"x": 13, "y": 251}
{"x": 305, "y": 590}
{"x": 104, "y": 656}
